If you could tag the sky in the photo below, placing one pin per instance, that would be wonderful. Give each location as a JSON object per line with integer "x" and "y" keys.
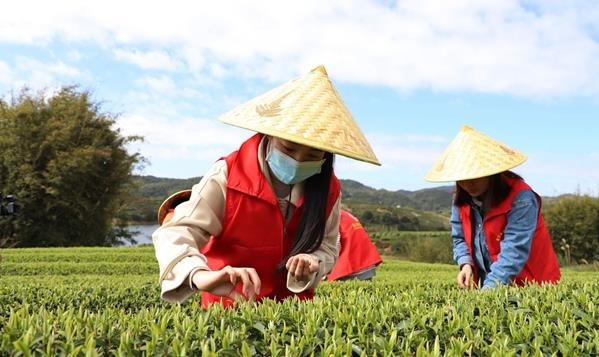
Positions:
{"x": 412, "y": 73}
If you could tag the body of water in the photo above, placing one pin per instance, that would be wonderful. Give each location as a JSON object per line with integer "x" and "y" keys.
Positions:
{"x": 143, "y": 233}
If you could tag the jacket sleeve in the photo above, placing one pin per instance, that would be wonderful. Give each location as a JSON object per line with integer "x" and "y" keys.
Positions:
{"x": 178, "y": 241}
{"x": 517, "y": 240}
{"x": 326, "y": 255}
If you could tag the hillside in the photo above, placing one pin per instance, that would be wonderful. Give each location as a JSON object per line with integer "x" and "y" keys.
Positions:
{"x": 150, "y": 193}
{"x": 433, "y": 199}
{"x": 380, "y": 209}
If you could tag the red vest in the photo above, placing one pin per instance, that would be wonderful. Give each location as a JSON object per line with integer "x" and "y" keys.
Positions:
{"x": 254, "y": 233}
{"x": 357, "y": 251}
{"x": 542, "y": 265}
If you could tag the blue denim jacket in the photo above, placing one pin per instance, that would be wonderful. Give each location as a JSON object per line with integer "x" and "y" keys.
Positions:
{"x": 514, "y": 248}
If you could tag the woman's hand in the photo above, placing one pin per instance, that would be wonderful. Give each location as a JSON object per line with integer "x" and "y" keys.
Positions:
{"x": 301, "y": 266}
{"x": 465, "y": 277}
{"x": 222, "y": 282}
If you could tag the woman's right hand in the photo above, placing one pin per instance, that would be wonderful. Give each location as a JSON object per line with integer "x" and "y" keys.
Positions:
{"x": 222, "y": 282}
{"x": 465, "y": 277}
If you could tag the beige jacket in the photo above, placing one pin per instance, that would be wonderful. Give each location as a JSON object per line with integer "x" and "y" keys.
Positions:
{"x": 178, "y": 241}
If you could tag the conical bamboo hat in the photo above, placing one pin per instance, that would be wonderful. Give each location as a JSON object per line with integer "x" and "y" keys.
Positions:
{"x": 471, "y": 155}
{"x": 171, "y": 202}
{"x": 307, "y": 110}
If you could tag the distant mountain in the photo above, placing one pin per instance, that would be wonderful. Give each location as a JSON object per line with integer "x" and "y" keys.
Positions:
{"x": 160, "y": 187}
{"x": 150, "y": 193}
{"x": 430, "y": 199}
{"x": 390, "y": 208}
{"x": 378, "y": 209}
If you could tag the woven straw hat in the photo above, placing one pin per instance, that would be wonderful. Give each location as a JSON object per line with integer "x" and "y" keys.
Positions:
{"x": 471, "y": 155}
{"x": 170, "y": 203}
{"x": 307, "y": 110}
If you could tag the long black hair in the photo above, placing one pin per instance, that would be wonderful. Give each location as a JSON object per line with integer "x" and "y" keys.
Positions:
{"x": 311, "y": 229}
{"x": 497, "y": 192}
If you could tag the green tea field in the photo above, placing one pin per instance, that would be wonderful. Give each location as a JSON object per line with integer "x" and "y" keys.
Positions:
{"x": 105, "y": 301}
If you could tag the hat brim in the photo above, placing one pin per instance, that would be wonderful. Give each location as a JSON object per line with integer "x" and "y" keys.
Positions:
{"x": 171, "y": 202}
{"x": 307, "y": 142}
{"x": 454, "y": 177}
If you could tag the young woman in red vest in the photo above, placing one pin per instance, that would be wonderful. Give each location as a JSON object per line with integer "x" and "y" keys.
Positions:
{"x": 358, "y": 256}
{"x": 499, "y": 235}
{"x": 263, "y": 222}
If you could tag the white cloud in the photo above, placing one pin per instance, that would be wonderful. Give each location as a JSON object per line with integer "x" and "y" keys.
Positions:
{"x": 418, "y": 151}
{"x": 413, "y": 139}
{"x": 405, "y": 160}
{"x": 148, "y": 60}
{"x": 37, "y": 74}
{"x": 552, "y": 174}
{"x": 75, "y": 56}
{"x": 162, "y": 84}
{"x": 29, "y": 65}
{"x": 6, "y": 75}
{"x": 180, "y": 147}
{"x": 196, "y": 133}
{"x": 533, "y": 48}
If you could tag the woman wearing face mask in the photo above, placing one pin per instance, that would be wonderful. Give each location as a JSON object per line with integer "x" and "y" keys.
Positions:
{"x": 499, "y": 235}
{"x": 263, "y": 222}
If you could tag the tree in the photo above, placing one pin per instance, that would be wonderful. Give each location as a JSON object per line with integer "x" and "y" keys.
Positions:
{"x": 61, "y": 156}
{"x": 573, "y": 222}
{"x": 407, "y": 223}
{"x": 367, "y": 217}
{"x": 390, "y": 219}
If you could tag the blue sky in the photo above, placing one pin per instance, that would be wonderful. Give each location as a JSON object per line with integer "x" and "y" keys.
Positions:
{"x": 411, "y": 72}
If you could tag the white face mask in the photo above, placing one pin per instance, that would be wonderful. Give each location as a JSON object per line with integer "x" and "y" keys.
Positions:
{"x": 290, "y": 171}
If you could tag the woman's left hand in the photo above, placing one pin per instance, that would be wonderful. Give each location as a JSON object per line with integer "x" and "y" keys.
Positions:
{"x": 301, "y": 266}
